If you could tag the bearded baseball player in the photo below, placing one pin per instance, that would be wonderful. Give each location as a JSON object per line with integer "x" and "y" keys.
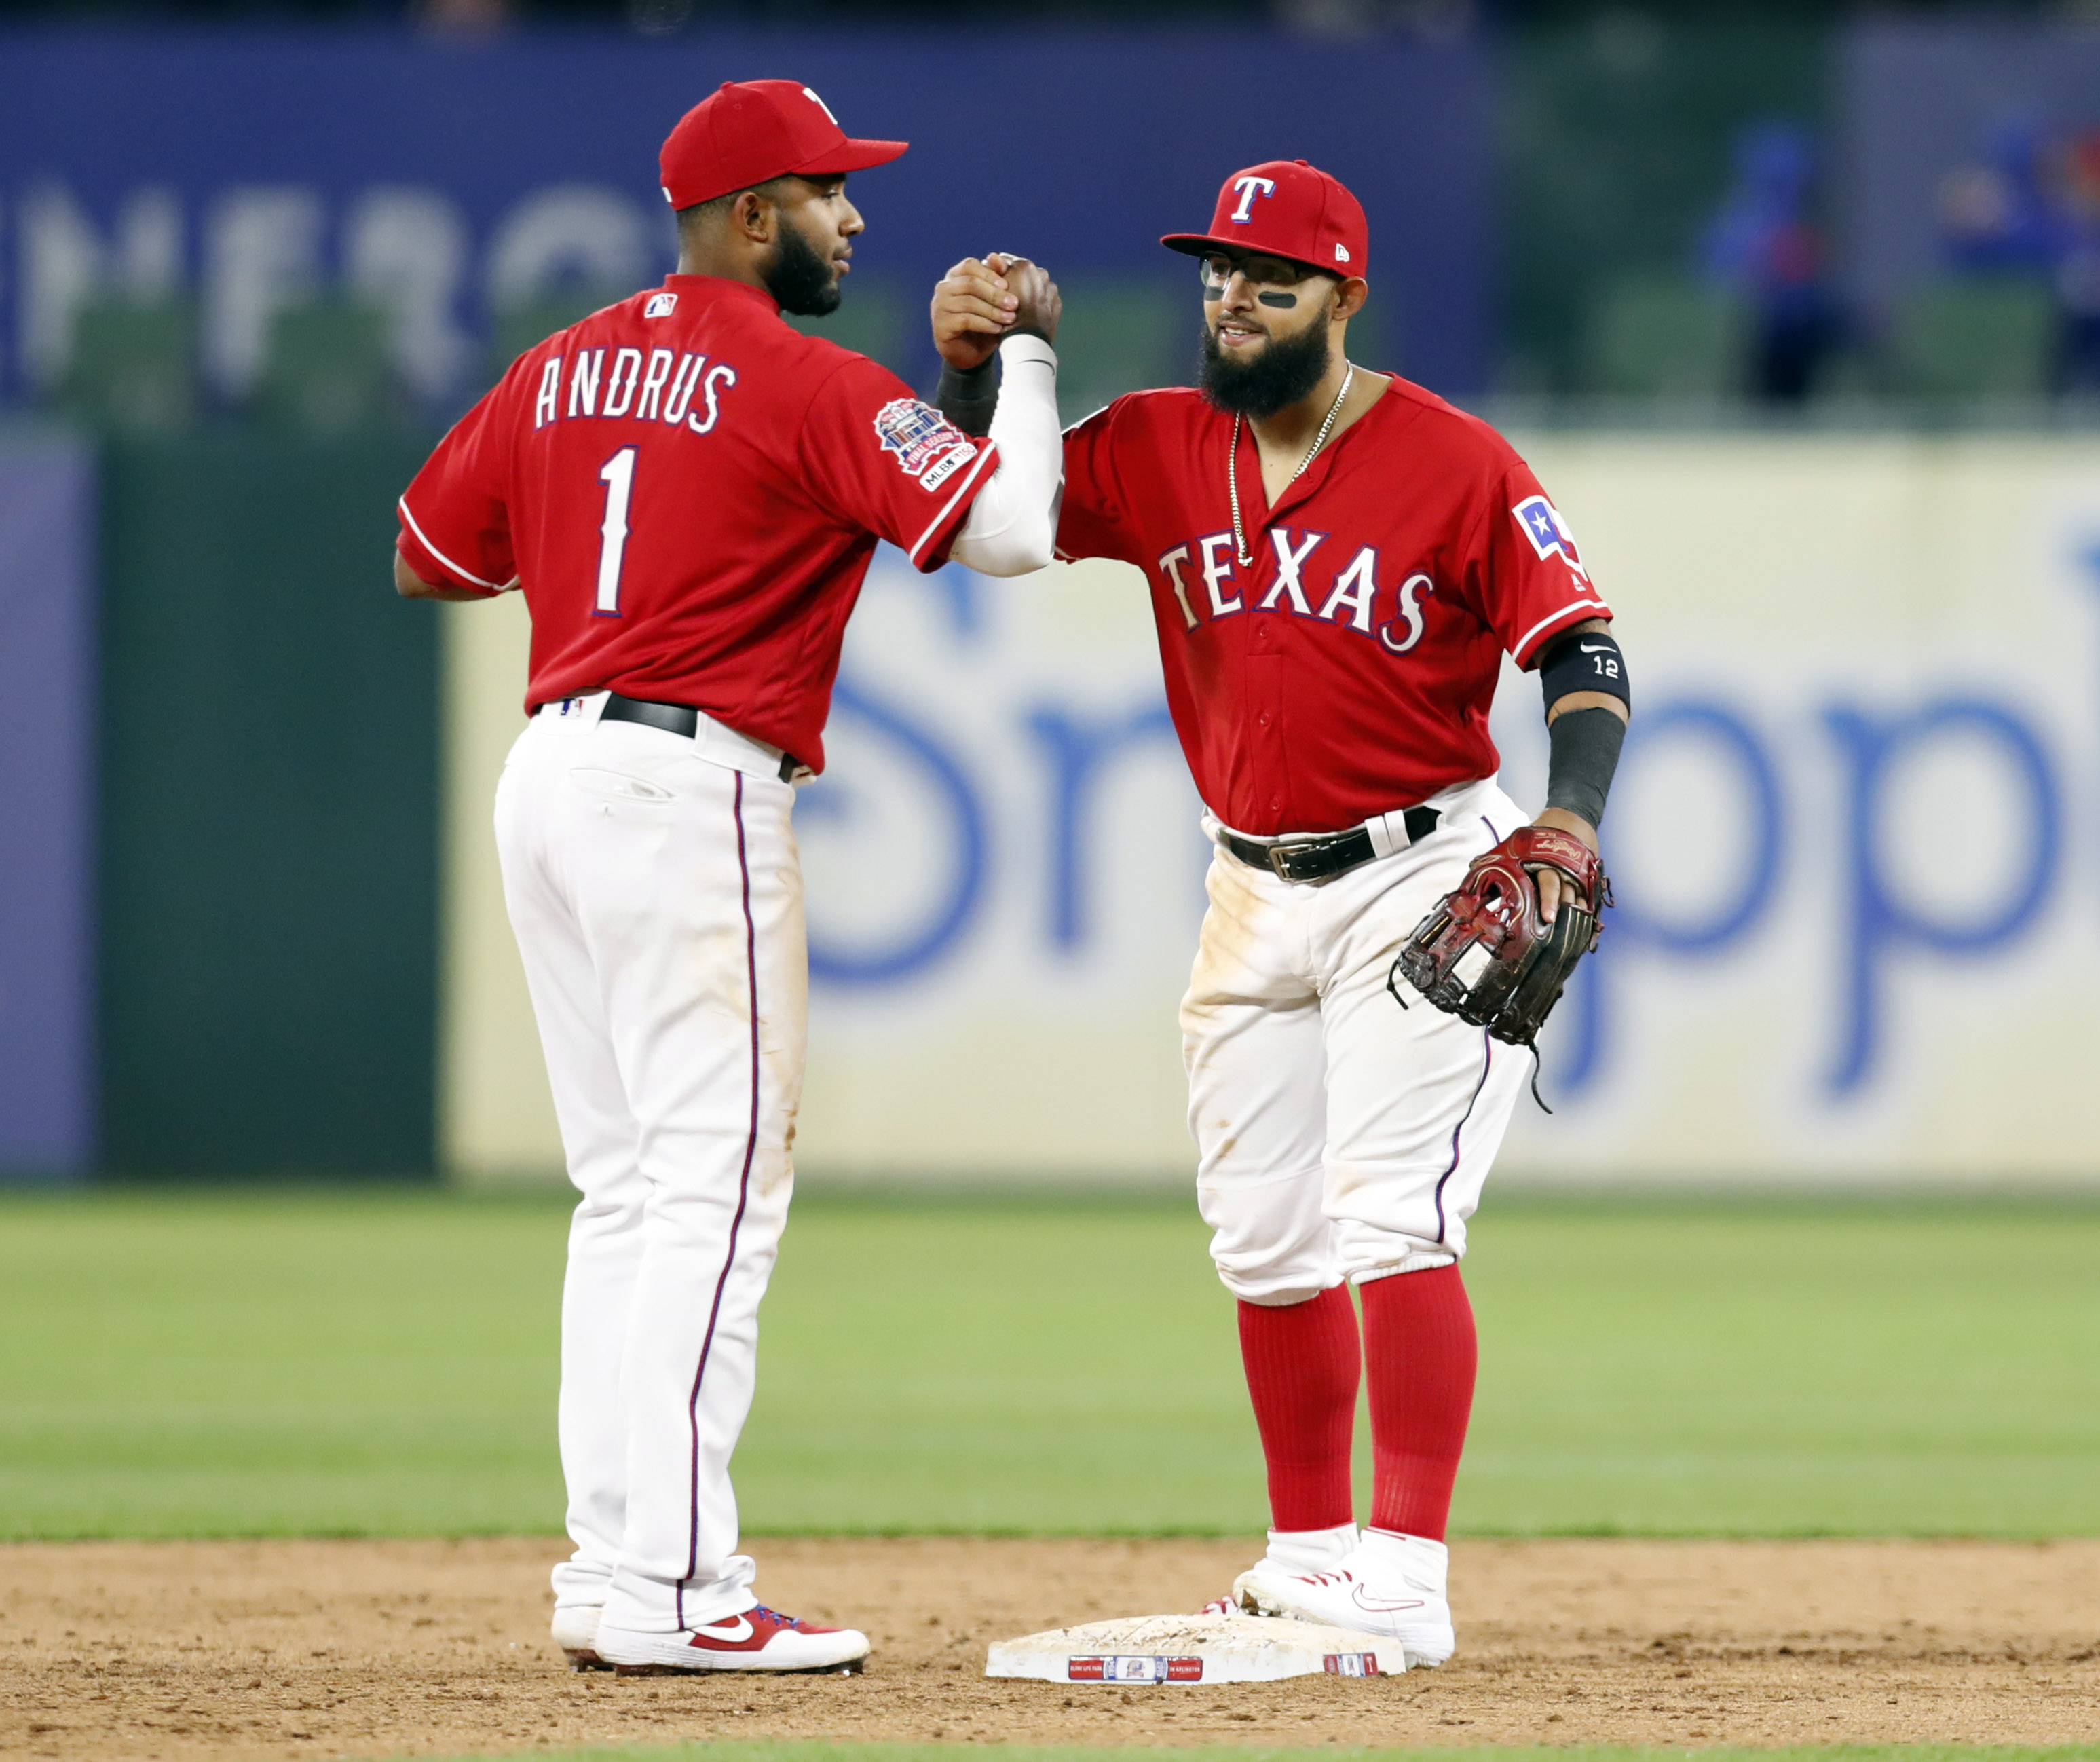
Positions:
{"x": 687, "y": 492}
{"x": 1338, "y": 561}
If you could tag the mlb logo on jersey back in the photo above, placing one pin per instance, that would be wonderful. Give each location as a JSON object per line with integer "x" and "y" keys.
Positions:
{"x": 1544, "y": 525}
{"x": 928, "y": 445}
{"x": 660, "y": 306}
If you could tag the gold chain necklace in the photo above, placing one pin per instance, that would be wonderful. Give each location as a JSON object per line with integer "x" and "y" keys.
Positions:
{"x": 1233, "y": 466}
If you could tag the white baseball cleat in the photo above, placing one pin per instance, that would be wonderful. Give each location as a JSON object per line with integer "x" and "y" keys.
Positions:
{"x": 757, "y": 1639}
{"x": 575, "y": 1632}
{"x": 1392, "y": 1586}
{"x": 1291, "y": 1551}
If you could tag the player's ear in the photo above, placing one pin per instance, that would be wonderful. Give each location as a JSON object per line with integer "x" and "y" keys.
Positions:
{"x": 756, "y": 215}
{"x": 1350, "y": 297}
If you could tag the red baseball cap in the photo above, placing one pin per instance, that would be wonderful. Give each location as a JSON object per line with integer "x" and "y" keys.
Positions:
{"x": 1285, "y": 208}
{"x": 747, "y": 133}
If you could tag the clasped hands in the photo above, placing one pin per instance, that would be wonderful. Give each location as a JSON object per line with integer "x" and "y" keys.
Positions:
{"x": 983, "y": 299}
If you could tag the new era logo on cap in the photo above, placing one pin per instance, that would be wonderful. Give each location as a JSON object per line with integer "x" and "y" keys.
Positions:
{"x": 1287, "y": 209}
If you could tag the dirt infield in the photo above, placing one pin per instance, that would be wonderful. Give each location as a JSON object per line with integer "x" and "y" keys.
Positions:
{"x": 377, "y": 1648}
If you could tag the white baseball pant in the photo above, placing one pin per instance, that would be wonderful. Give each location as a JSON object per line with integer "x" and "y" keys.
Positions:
{"x": 1339, "y": 1136}
{"x": 656, "y": 893}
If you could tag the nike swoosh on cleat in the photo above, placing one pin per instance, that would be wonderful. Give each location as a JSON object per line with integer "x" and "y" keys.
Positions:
{"x": 1381, "y": 1605}
{"x": 716, "y": 1630}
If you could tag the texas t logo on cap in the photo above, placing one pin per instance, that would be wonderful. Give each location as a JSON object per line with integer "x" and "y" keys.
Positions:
{"x": 1250, "y": 187}
{"x": 1285, "y": 208}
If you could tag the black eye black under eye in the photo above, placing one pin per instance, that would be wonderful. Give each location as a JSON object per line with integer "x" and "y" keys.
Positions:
{"x": 1285, "y": 301}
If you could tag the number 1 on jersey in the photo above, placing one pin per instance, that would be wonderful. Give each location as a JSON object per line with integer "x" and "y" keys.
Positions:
{"x": 617, "y": 474}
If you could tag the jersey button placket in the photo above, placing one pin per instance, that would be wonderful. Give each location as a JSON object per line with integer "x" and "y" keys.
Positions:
{"x": 1264, "y": 695}
{"x": 1271, "y": 721}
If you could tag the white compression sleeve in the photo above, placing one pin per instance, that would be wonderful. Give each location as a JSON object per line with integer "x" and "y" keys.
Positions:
{"x": 1012, "y": 525}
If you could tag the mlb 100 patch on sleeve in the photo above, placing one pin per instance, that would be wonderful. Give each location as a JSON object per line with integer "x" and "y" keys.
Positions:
{"x": 927, "y": 444}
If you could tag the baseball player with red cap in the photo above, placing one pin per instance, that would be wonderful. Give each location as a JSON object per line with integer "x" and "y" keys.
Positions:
{"x": 688, "y": 492}
{"x": 1338, "y": 561}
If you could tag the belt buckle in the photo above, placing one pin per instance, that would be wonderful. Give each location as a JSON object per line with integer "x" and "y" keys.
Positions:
{"x": 1280, "y": 857}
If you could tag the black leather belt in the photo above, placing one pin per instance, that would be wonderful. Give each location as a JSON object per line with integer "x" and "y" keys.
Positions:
{"x": 1311, "y": 859}
{"x": 673, "y": 718}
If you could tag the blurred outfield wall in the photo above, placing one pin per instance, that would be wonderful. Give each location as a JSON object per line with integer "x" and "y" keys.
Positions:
{"x": 1850, "y": 939}
{"x": 456, "y": 184}
{"x": 47, "y": 838}
{"x": 218, "y": 819}
{"x": 1003, "y": 862}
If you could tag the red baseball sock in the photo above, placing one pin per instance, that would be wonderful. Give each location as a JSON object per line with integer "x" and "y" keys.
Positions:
{"x": 1303, "y": 1361}
{"x": 1419, "y": 1346}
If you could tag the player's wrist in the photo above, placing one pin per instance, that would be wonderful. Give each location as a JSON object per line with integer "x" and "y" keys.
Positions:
{"x": 968, "y": 396}
{"x": 1583, "y": 754}
{"x": 1569, "y": 821}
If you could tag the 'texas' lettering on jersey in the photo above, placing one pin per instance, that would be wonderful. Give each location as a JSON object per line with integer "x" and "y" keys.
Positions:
{"x": 1352, "y": 595}
{"x": 661, "y": 386}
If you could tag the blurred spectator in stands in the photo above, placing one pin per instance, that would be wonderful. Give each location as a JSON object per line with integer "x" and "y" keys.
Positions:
{"x": 2031, "y": 209}
{"x": 1762, "y": 246}
{"x": 1996, "y": 216}
{"x": 2078, "y": 274}
{"x": 461, "y": 18}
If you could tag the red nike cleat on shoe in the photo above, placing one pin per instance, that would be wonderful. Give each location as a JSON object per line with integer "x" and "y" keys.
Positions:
{"x": 756, "y": 1639}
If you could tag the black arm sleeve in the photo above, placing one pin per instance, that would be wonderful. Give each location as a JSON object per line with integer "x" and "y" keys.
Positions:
{"x": 968, "y": 399}
{"x": 1585, "y": 753}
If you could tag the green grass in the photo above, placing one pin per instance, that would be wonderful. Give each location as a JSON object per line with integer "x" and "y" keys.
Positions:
{"x": 332, "y": 1363}
{"x": 242, "y": 1364}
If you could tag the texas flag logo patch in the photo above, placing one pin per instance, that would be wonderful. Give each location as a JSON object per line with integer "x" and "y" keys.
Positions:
{"x": 1544, "y": 525}
{"x": 928, "y": 445}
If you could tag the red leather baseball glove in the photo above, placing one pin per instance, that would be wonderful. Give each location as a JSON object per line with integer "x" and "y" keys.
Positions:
{"x": 1485, "y": 956}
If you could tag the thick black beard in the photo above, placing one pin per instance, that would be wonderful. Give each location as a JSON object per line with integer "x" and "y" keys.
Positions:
{"x": 803, "y": 282}
{"x": 1282, "y": 374}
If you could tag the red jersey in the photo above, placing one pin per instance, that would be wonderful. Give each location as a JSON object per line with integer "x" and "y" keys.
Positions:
{"x": 689, "y": 491}
{"x": 1350, "y": 670}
